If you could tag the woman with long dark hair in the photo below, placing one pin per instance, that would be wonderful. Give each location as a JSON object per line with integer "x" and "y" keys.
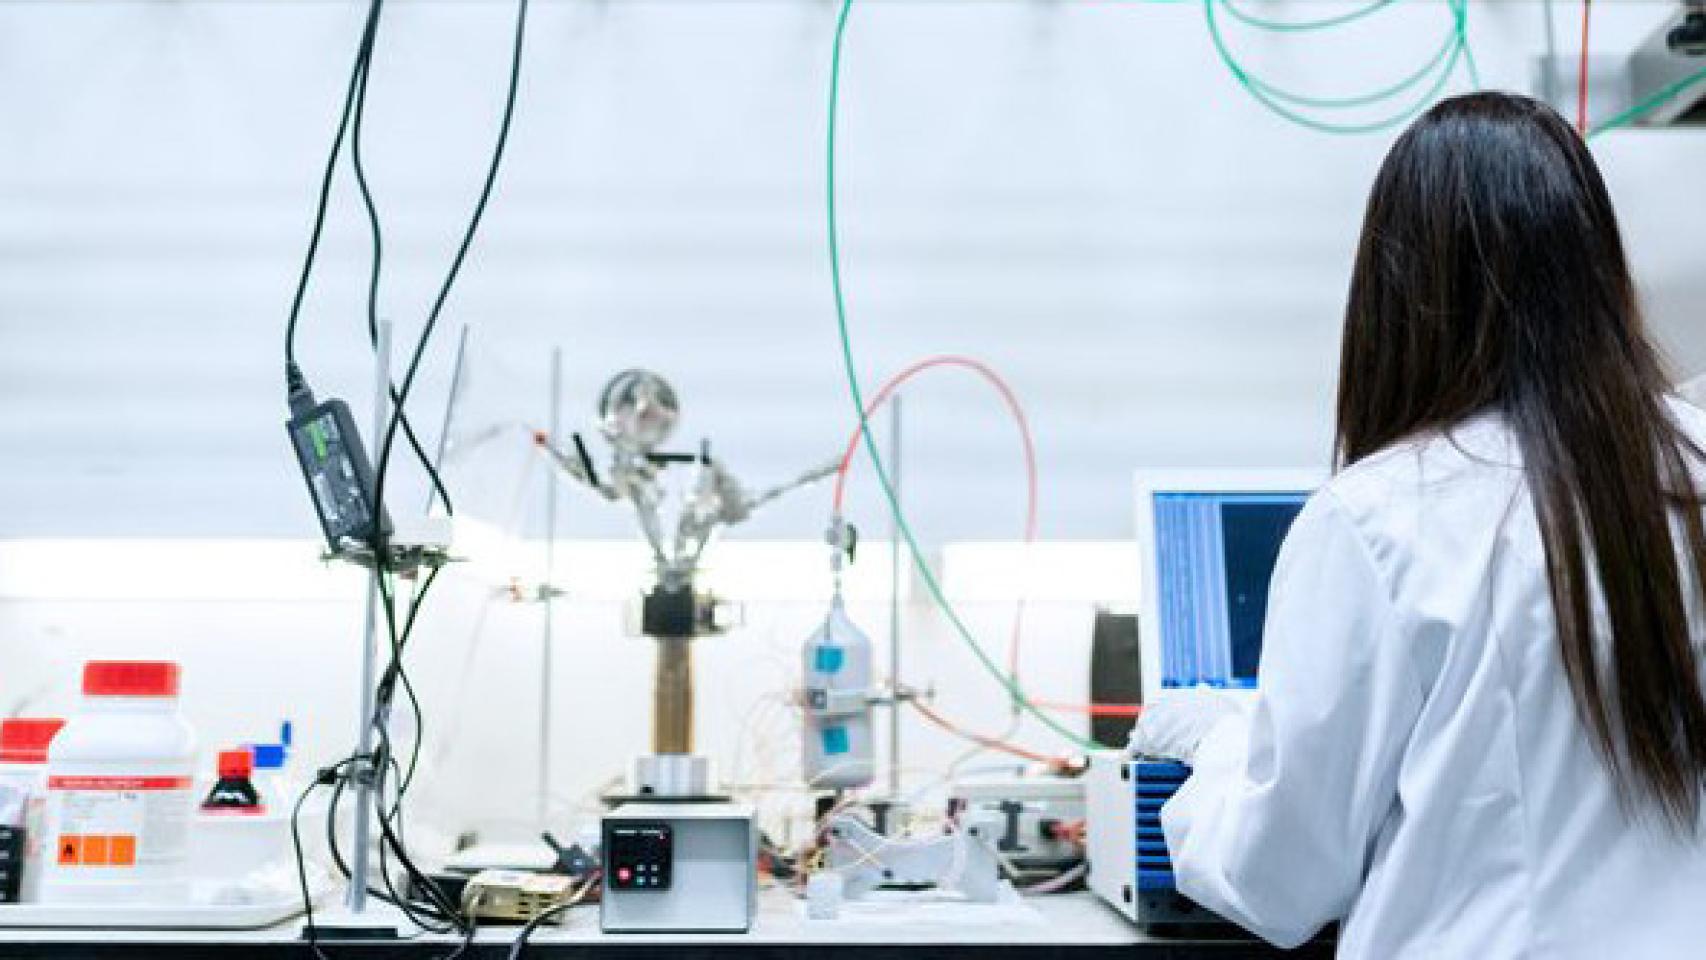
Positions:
{"x": 1481, "y": 731}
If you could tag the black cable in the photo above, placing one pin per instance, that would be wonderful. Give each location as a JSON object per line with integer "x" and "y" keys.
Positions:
{"x": 442, "y": 914}
{"x": 467, "y": 938}
{"x": 402, "y": 676}
{"x": 391, "y": 894}
{"x": 546, "y": 915}
{"x": 375, "y": 231}
{"x": 350, "y": 124}
{"x": 404, "y": 778}
{"x": 363, "y": 50}
{"x": 301, "y": 860}
{"x": 332, "y": 829}
{"x": 429, "y": 915}
{"x": 419, "y": 717}
{"x": 532, "y": 926}
{"x": 342, "y": 865}
{"x": 398, "y": 416}
{"x": 382, "y": 761}
{"x": 377, "y": 259}
{"x": 439, "y": 915}
{"x": 448, "y": 912}
{"x": 381, "y": 550}
{"x": 462, "y": 249}
{"x": 411, "y": 909}
{"x": 302, "y": 871}
{"x": 396, "y": 673}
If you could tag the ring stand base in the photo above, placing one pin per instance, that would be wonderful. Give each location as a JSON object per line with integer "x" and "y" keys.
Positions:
{"x": 379, "y": 921}
{"x": 672, "y": 776}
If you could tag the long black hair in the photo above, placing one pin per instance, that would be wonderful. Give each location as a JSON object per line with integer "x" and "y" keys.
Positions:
{"x": 1491, "y": 276}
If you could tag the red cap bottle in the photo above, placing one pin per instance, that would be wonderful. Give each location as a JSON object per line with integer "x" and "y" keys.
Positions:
{"x": 236, "y": 764}
{"x": 234, "y": 793}
{"x": 130, "y": 678}
{"x": 25, "y": 739}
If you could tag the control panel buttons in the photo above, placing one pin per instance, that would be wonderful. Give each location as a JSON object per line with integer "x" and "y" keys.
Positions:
{"x": 639, "y": 856}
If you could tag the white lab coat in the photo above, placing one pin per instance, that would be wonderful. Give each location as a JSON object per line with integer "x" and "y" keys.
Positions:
{"x": 1414, "y": 764}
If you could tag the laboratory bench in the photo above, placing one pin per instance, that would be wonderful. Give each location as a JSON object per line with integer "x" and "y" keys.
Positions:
{"x": 1062, "y": 927}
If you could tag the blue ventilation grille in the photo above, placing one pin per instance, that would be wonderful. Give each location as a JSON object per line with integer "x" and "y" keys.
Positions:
{"x": 1153, "y": 784}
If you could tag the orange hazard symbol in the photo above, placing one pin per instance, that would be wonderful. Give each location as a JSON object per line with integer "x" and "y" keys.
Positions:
{"x": 76, "y": 850}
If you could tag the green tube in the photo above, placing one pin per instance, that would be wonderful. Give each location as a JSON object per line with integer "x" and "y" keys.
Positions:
{"x": 1275, "y": 99}
{"x": 1641, "y": 109}
{"x": 928, "y": 576}
{"x": 1452, "y": 40}
{"x": 1272, "y": 97}
{"x": 1301, "y": 26}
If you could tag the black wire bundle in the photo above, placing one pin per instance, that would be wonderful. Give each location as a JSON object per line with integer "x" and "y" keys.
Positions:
{"x": 549, "y": 914}
{"x": 424, "y": 903}
{"x": 349, "y": 125}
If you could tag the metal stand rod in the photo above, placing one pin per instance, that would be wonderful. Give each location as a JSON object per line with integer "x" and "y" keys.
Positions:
{"x": 362, "y": 769}
{"x": 451, "y": 400}
{"x": 894, "y": 597}
{"x": 547, "y": 596}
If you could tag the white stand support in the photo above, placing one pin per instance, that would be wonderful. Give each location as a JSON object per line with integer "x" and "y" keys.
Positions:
{"x": 895, "y": 560}
{"x": 547, "y": 599}
{"x": 374, "y": 921}
{"x": 962, "y": 862}
{"x": 357, "y": 920}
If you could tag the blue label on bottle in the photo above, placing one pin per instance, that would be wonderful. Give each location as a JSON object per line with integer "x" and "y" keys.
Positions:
{"x": 829, "y": 659}
{"x": 835, "y": 741}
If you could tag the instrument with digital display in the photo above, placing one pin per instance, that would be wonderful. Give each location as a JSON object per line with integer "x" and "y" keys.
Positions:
{"x": 1209, "y": 543}
{"x": 679, "y": 868}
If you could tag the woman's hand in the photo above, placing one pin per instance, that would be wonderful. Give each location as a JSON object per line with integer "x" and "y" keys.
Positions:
{"x": 1174, "y": 723}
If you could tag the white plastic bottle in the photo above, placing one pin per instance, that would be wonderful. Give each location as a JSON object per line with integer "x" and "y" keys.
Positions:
{"x": 120, "y": 790}
{"x": 23, "y": 798}
{"x": 272, "y": 771}
{"x": 837, "y": 746}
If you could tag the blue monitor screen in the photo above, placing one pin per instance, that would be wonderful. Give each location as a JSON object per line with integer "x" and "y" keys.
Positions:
{"x": 1215, "y": 555}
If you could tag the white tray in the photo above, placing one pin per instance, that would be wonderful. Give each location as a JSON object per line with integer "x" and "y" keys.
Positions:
{"x": 253, "y": 906}
{"x": 141, "y": 916}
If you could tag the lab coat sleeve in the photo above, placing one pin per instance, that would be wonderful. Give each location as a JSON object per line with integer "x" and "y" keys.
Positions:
{"x": 1274, "y": 827}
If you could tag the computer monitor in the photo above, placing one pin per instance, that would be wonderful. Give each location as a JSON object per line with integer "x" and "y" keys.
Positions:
{"x": 1208, "y": 542}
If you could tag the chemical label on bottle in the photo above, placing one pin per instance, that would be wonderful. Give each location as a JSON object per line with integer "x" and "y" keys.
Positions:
{"x": 119, "y": 821}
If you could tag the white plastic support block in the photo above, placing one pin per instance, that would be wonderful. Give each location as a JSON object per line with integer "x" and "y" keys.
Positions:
{"x": 824, "y": 893}
{"x": 422, "y": 533}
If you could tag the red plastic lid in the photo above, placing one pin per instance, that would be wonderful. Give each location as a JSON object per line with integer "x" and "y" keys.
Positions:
{"x": 25, "y": 740}
{"x": 236, "y": 764}
{"x": 130, "y": 678}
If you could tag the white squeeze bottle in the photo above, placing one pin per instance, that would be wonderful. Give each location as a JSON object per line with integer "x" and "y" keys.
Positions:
{"x": 272, "y": 775}
{"x": 119, "y": 790}
{"x": 837, "y": 745}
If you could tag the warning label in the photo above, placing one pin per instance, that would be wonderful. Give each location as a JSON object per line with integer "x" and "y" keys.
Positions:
{"x": 118, "y": 783}
{"x": 119, "y": 821}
